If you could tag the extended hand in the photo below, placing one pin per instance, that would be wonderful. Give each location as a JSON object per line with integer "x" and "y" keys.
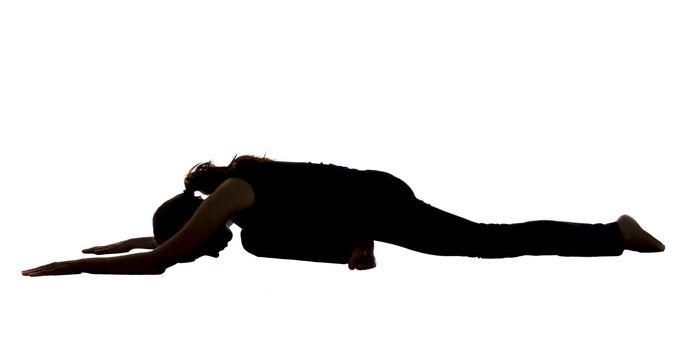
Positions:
{"x": 119, "y": 247}
{"x": 56, "y": 268}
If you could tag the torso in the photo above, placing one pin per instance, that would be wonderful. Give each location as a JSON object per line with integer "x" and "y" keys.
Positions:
{"x": 313, "y": 195}
{"x": 313, "y": 212}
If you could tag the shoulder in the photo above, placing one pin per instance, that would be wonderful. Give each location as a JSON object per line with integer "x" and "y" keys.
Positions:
{"x": 237, "y": 190}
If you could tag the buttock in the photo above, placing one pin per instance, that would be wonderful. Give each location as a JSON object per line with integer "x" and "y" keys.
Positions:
{"x": 388, "y": 200}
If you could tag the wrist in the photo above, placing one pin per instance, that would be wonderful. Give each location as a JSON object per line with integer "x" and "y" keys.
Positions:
{"x": 129, "y": 243}
{"x": 77, "y": 265}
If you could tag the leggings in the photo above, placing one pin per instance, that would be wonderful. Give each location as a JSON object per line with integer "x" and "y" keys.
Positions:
{"x": 391, "y": 213}
{"x": 411, "y": 223}
{"x": 430, "y": 230}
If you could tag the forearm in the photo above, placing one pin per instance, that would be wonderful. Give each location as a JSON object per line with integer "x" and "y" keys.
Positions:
{"x": 130, "y": 264}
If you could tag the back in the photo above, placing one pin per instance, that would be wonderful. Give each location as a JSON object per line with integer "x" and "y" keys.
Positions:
{"x": 311, "y": 211}
{"x": 300, "y": 194}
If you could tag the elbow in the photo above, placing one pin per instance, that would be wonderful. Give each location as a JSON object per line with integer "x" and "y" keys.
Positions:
{"x": 159, "y": 268}
{"x": 157, "y": 265}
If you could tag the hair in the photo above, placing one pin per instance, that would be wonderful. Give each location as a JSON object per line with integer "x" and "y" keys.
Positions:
{"x": 174, "y": 213}
{"x": 206, "y": 177}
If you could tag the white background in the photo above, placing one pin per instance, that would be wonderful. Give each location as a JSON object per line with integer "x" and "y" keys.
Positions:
{"x": 497, "y": 111}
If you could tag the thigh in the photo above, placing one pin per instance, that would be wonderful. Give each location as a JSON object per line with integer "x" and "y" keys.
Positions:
{"x": 419, "y": 226}
{"x": 298, "y": 244}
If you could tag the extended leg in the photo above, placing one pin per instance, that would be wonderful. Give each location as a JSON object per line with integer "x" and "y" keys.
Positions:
{"x": 430, "y": 230}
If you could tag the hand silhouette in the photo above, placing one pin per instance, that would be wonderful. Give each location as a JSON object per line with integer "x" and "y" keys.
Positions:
{"x": 56, "y": 268}
{"x": 119, "y": 247}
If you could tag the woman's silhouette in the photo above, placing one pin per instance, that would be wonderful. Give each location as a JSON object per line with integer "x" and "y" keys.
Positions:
{"x": 329, "y": 213}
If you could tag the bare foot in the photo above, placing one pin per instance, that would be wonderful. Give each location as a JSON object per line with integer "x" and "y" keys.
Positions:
{"x": 636, "y": 238}
{"x": 362, "y": 259}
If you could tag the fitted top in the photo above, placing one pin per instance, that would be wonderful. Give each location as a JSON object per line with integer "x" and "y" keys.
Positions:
{"x": 302, "y": 193}
{"x": 298, "y": 203}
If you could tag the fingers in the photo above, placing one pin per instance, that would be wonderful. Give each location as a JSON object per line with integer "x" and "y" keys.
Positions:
{"x": 106, "y": 249}
{"x": 98, "y": 250}
{"x": 41, "y": 270}
{"x": 56, "y": 268}
{"x": 30, "y": 272}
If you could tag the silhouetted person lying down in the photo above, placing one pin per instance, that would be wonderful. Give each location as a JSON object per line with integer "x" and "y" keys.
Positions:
{"x": 329, "y": 213}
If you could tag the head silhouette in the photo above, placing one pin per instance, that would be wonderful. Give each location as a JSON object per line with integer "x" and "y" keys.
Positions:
{"x": 174, "y": 213}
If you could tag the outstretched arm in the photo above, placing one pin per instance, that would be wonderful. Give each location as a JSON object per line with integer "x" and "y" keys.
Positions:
{"x": 123, "y": 246}
{"x": 231, "y": 196}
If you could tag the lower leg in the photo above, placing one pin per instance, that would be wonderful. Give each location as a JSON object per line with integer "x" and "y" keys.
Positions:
{"x": 548, "y": 237}
{"x": 430, "y": 230}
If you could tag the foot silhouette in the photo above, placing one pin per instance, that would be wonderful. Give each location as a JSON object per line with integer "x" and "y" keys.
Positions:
{"x": 636, "y": 238}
